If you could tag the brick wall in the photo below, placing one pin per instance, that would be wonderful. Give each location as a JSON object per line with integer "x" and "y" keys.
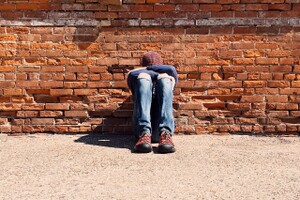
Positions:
{"x": 63, "y": 64}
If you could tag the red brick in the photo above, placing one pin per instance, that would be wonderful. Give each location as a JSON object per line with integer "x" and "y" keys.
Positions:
{"x": 51, "y": 113}
{"x": 101, "y": 84}
{"x": 141, "y": 8}
{"x": 161, "y": 8}
{"x": 254, "y": 84}
{"x": 3, "y": 121}
{"x": 81, "y": 106}
{"x": 105, "y": 15}
{"x": 221, "y": 30}
{"x": 229, "y": 71}
{"x": 280, "y": 6}
{"x": 239, "y": 106}
{"x": 295, "y": 84}
{"x": 27, "y": 114}
{"x": 111, "y": 2}
{"x": 53, "y": 69}
{"x": 57, "y": 106}
{"x": 278, "y": 114}
{"x": 218, "y": 91}
{"x": 7, "y": 69}
{"x": 75, "y": 84}
{"x": 51, "y": 84}
{"x": 61, "y": 92}
{"x": 5, "y": 129}
{"x": 257, "y": 68}
{"x": 286, "y": 61}
{"x": 257, "y": 7}
{"x": 286, "y": 106}
{"x": 38, "y": 91}
{"x": 269, "y": 14}
{"x": 266, "y": 90}
{"x": 187, "y": 7}
{"x": 76, "y": 114}
{"x": 134, "y": 1}
{"x": 272, "y": 98}
{"x": 212, "y": 106}
{"x": 42, "y": 121}
{"x": 243, "y": 61}
{"x": 7, "y": 6}
{"x": 252, "y": 99}
{"x": 266, "y": 45}
{"x": 279, "y": 84}
{"x": 268, "y": 30}
{"x": 85, "y": 91}
{"x": 266, "y": 61}
{"x": 295, "y": 113}
{"x": 245, "y": 14}
{"x": 243, "y": 120}
{"x": 230, "y": 84}
{"x": 33, "y": 106}
{"x": 210, "y": 7}
{"x": 222, "y": 120}
{"x": 14, "y": 92}
{"x": 22, "y": 99}
{"x": 157, "y": 1}
{"x": 204, "y": 1}
{"x": 70, "y": 99}
{"x": 244, "y": 30}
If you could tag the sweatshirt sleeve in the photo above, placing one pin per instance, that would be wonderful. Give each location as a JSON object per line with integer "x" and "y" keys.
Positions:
{"x": 168, "y": 69}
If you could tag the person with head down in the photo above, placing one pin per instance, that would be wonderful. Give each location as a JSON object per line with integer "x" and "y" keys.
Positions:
{"x": 152, "y": 88}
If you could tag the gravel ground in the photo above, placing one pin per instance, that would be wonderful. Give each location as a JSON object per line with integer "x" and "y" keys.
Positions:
{"x": 103, "y": 167}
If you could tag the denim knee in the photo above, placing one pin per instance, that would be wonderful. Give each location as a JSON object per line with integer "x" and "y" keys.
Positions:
{"x": 144, "y": 76}
{"x": 166, "y": 81}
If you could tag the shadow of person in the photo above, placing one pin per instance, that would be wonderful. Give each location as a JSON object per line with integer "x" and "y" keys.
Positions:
{"x": 108, "y": 140}
{"x": 112, "y": 140}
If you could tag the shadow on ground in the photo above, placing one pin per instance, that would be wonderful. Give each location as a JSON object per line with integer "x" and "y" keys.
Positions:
{"x": 112, "y": 140}
{"x": 108, "y": 140}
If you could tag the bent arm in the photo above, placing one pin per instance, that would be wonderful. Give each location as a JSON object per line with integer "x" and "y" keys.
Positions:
{"x": 168, "y": 69}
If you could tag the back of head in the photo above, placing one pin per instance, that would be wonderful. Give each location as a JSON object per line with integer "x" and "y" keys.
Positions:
{"x": 151, "y": 58}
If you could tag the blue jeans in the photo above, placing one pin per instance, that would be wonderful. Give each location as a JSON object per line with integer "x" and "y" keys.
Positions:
{"x": 153, "y": 106}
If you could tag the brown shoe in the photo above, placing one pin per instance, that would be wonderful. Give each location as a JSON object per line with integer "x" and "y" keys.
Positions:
{"x": 143, "y": 145}
{"x": 166, "y": 144}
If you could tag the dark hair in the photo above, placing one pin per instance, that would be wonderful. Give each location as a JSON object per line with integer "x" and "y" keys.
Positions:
{"x": 151, "y": 58}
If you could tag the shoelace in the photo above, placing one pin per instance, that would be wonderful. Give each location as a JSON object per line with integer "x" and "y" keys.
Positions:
{"x": 144, "y": 139}
{"x": 166, "y": 138}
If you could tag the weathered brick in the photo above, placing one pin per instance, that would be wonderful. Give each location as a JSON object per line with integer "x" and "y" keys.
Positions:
{"x": 239, "y": 106}
{"x": 76, "y": 114}
{"x": 42, "y": 121}
{"x": 266, "y": 61}
{"x": 252, "y": 99}
{"x": 14, "y": 92}
{"x": 281, "y": 98}
{"x": 51, "y": 113}
{"x": 57, "y": 106}
{"x": 27, "y": 114}
{"x": 191, "y": 106}
{"x": 281, "y": 84}
{"x": 254, "y": 84}
{"x": 61, "y": 92}
{"x": 295, "y": 84}
{"x": 287, "y": 106}
{"x": 234, "y": 64}
{"x": 33, "y": 107}
{"x": 243, "y": 120}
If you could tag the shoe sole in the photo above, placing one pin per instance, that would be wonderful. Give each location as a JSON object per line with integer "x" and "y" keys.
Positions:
{"x": 143, "y": 148}
{"x": 166, "y": 149}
